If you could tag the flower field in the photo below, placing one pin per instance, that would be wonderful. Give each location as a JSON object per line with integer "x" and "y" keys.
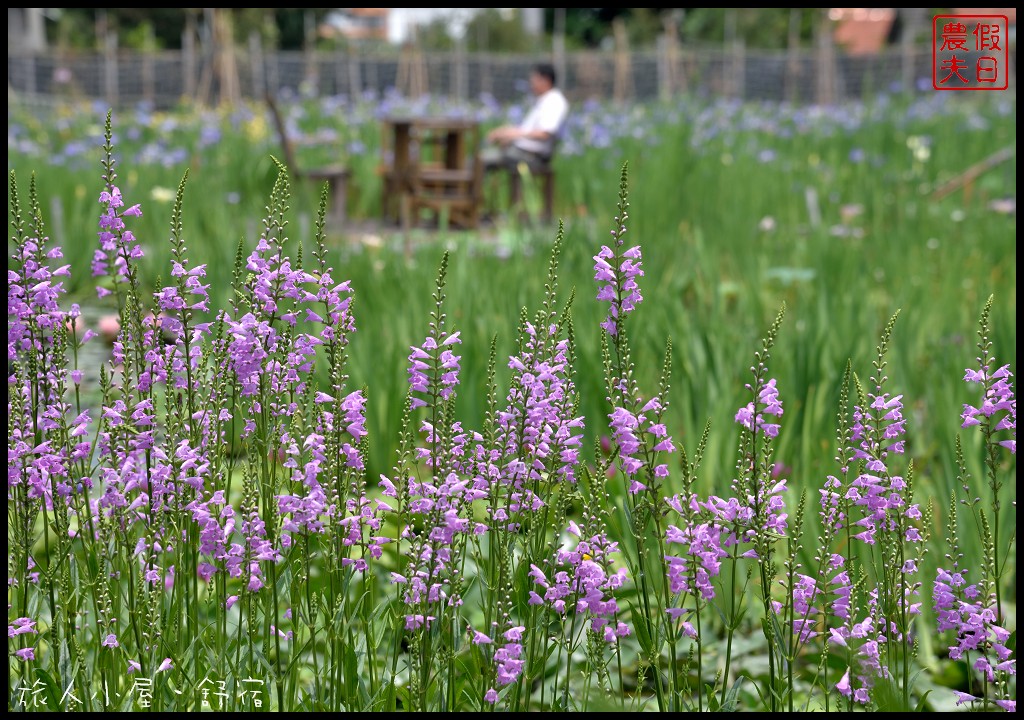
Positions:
{"x": 740, "y": 434}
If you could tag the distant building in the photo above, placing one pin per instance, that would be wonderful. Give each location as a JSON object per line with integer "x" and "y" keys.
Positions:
{"x": 356, "y": 24}
{"x": 866, "y": 31}
{"x": 862, "y": 31}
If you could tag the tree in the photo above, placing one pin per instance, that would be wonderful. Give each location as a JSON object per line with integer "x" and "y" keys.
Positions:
{"x": 284, "y": 27}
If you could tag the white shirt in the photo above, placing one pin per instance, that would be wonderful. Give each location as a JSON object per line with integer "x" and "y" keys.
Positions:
{"x": 547, "y": 114}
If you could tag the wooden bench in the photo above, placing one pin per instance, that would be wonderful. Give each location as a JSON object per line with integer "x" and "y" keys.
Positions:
{"x": 336, "y": 176}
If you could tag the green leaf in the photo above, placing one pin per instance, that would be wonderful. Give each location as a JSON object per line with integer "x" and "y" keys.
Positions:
{"x": 888, "y": 697}
{"x": 732, "y": 697}
{"x": 712, "y": 698}
{"x": 640, "y": 625}
{"x": 52, "y": 689}
{"x": 922, "y": 704}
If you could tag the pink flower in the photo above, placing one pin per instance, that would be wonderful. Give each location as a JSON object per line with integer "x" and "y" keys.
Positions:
{"x": 843, "y": 686}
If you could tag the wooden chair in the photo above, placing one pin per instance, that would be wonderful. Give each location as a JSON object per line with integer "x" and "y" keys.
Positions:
{"x": 438, "y": 188}
{"x": 543, "y": 171}
{"x": 336, "y": 176}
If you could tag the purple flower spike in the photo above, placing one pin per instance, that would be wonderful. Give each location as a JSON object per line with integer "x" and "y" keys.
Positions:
{"x": 617, "y": 275}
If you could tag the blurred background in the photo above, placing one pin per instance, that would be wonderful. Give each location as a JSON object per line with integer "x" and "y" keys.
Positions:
{"x": 124, "y": 55}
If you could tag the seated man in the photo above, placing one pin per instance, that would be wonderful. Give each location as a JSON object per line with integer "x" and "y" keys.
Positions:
{"x": 533, "y": 140}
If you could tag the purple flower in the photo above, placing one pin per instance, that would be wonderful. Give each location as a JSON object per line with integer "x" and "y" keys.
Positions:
{"x": 110, "y": 641}
{"x": 769, "y": 397}
{"x": 998, "y": 402}
{"x": 21, "y": 626}
{"x": 443, "y": 367}
{"x": 587, "y": 575}
{"x": 692, "y": 572}
{"x": 26, "y": 654}
{"x": 617, "y": 273}
{"x": 843, "y": 686}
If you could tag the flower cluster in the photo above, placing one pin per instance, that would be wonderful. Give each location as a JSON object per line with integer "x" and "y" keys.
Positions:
{"x": 700, "y": 559}
{"x": 586, "y": 581}
{"x": 444, "y": 364}
{"x": 630, "y": 433}
{"x": 964, "y": 609}
{"x": 538, "y": 431}
{"x": 999, "y": 398}
{"x": 769, "y": 397}
{"x": 117, "y": 244}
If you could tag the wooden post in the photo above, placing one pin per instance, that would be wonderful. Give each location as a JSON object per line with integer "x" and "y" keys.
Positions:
{"x": 484, "y": 61}
{"x": 310, "y": 74}
{"x": 728, "y": 82}
{"x": 148, "y": 71}
{"x": 188, "y": 55}
{"x": 675, "y": 52}
{"x": 355, "y": 82}
{"x": 739, "y": 68}
{"x": 662, "y": 64}
{"x": 792, "y": 54}
{"x": 110, "y": 67}
{"x": 402, "y": 74}
{"x": 371, "y": 75}
{"x": 911, "y": 24}
{"x": 419, "y": 75}
{"x": 826, "y": 65}
{"x": 673, "y": 75}
{"x": 558, "y": 47}
{"x": 340, "y": 66}
{"x": 274, "y": 71}
{"x": 412, "y": 72}
{"x": 30, "y": 75}
{"x": 209, "y": 40}
{"x": 256, "y": 68}
{"x": 227, "y": 67}
{"x": 623, "y": 70}
{"x": 461, "y": 70}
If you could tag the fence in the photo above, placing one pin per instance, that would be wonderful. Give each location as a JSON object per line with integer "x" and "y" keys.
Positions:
{"x": 121, "y": 77}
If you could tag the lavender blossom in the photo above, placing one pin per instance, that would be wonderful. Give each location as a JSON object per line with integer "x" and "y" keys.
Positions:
{"x": 769, "y": 397}
{"x": 999, "y": 402}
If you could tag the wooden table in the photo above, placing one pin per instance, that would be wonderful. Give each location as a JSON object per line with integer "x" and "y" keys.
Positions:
{"x": 424, "y": 147}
